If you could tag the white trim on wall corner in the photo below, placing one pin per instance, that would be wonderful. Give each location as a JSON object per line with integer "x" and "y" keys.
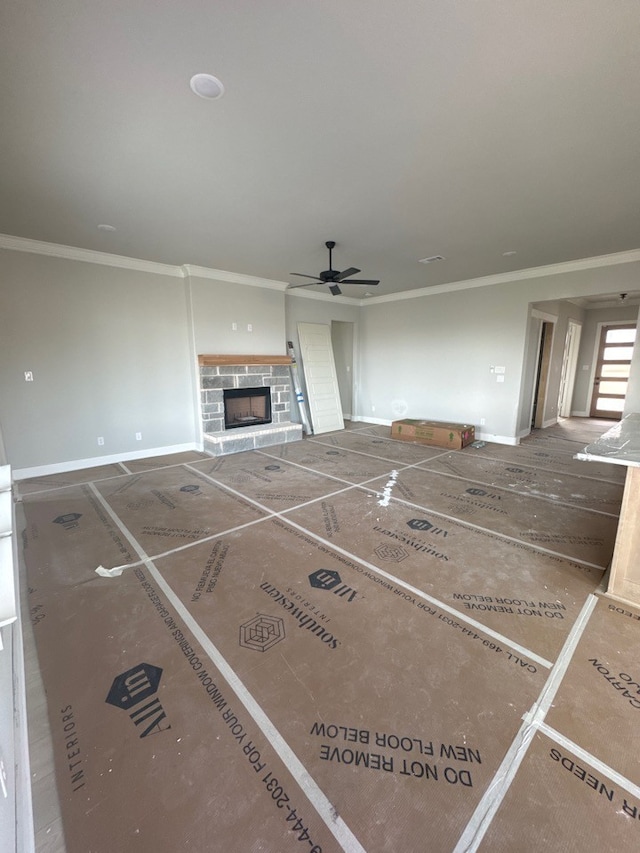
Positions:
{"x": 113, "y": 459}
{"x": 233, "y": 277}
{"x": 72, "y": 253}
{"x": 38, "y": 247}
{"x": 597, "y": 262}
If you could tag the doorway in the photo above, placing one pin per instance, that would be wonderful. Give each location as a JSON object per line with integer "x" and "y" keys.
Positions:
{"x": 542, "y": 375}
{"x": 342, "y": 342}
{"x": 613, "y": 365}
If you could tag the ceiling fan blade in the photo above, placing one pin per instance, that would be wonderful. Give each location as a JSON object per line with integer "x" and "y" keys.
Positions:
{"x": 305, "y": 275}
{"x": 343, "y": 275}
{"x": 370, "y": 282}
{"x": 304, "y": 284}
{"x": 335, "y": 290}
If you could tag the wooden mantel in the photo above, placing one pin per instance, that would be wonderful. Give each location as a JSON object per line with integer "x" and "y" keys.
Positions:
{"x": 214, "y": 360}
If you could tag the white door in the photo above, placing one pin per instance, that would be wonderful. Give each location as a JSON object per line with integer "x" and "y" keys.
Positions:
{"x": 320, "y": 376}
{"x": 569, "y": 365}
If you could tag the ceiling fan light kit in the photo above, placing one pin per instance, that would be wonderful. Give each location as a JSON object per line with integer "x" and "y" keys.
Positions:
{"x": 331, "y": 277}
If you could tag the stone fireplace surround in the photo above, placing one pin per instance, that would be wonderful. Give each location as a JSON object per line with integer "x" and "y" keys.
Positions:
{"x": 218, "y": 372}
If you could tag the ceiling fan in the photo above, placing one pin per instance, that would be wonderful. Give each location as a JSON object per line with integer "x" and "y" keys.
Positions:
{"x": 332, "y": 277}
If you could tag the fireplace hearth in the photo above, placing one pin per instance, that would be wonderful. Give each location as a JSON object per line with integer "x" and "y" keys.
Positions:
{"x": 246, "y": 407}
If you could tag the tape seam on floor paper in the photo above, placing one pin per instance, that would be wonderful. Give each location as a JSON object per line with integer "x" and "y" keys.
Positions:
{"x": 469, "y": 621}
{"x": 554, "y": 735}
{"x": 583, "y": 476}
{"x": 496, "y": 533}
{"x": 542, "y": 705}
{"x": 383, "y": 458}
{"x": 334, "y": 823}
{"x": 478, "y": 626}
{"x": 186, "y": 546}
{"x": 486, "y": 809}
{"x": 513, "y": 491}
{"x": 266, "y": 509}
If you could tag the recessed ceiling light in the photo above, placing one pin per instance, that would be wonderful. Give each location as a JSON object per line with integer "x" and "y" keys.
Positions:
{"x": 206, "y": 86}
{"x": 508, "y": 254}
{"x": 431, "y": 260}
{"x": 106, "y": 228}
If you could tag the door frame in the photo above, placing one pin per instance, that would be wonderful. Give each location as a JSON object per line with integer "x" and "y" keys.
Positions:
{"x": 542, "y": 367}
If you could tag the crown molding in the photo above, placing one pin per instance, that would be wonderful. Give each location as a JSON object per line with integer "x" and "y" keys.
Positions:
{"x": 192, "y": 271}
{"x": 73, "y": 253}
{"x": 56, "y": 250}
{"x": 632, "y": 256}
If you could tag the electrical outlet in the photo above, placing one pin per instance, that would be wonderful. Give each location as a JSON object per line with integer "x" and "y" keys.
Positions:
{"x": 482, "y": 421}
{"x": 138, "y": 436}
{"x": 100, "y": 440}
{"x": 28, "y": 376}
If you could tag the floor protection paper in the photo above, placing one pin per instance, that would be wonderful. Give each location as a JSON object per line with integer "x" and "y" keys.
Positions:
{"x": 336, "y": 462}
{"x": 328, "y": 664}
{"x": 572, "y": 490}
{"x": 274, "y": 485}
{"x": 563, "y": 803}
{"x": 555, "y": 458}
{"x": 525, "y": 518}
{"x": 311, "y": 660}
{"x": 505, "y": 585}
{"x": 173, "y": 506}
{"x": 604, "y": 673}
{"x": 149, "y": 738}
{"x": 403, "y": 452}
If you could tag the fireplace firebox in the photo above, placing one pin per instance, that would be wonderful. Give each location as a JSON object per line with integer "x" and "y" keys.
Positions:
{"x": 246, "y": 407}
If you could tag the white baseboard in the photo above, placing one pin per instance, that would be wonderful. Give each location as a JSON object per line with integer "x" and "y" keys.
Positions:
{"x": 381, "y": 421}
{"x": 580, "y": 415}
{"x": 497, "y": 439}
{"x": 114, "y": 458}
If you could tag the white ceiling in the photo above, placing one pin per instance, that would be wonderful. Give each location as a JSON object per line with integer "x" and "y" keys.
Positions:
{"x": 401, "y": 130}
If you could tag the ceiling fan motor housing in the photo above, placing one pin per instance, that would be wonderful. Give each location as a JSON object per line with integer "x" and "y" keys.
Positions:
{"x": 334, "y": 277}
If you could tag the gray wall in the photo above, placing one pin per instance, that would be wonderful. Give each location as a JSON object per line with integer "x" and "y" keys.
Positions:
{"x": 217, "y": 305}
{"x": 430, "y": 355}
{"x": 109, "y": 354}
{"x": 113, "y": 350}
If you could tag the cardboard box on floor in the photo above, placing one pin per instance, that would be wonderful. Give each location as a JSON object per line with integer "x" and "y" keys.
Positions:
{"x": 434, "y": 433}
